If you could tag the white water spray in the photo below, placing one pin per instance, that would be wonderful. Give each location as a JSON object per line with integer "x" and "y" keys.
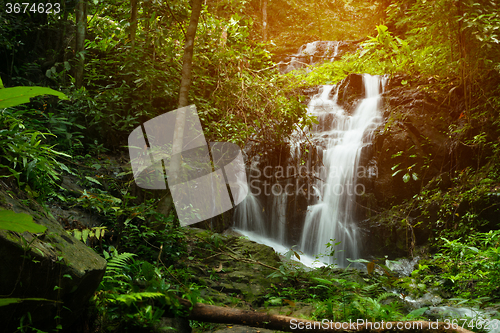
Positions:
{"x": 331, "y": 218}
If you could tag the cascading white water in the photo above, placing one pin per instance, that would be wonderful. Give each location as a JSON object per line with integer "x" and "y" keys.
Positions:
{"x": 331, "y": 218}
{"x": 340, "y": 138}
{"x": 313, "y": 52}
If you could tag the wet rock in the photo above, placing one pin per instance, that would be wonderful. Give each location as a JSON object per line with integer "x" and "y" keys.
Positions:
{"x": 467, "y": 316}
{"x": 173, "y": 325}
{"x": 53, "y": 265}
{"x": 227, "y": 277}
{"x": 428, "y": 299}
{"x": 413, "y": 136}
{"x": 351, "y": 90}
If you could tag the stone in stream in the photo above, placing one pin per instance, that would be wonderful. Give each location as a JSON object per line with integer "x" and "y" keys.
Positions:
{"x": 52, "y": 265}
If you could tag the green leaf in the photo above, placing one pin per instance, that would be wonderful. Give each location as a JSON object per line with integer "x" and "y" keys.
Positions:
{"x": 93, "y": 180}
{"x": 7, "y": 301}
{"x": 77, "y": 234}
{"x": 416, "y": 313}
{"x": 85, "y": 235}
{"x": 395, "y": 166}
{"x": 20, "y": 95}
{"x": 324, "y": 281}
{"x": 19, "y": 222}
{"x": 406, "y": 177}
{"x": 395, "y": 173}
{"x": 358, "y": 260}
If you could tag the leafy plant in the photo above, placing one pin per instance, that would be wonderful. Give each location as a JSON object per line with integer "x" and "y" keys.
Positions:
{"x": 25, "y": 156}
{"x": 133, "y": 293}
{"x": 91, "y": 234}
{"x": 10, "y": 97}
{"x": 409, "y": 172}
{"x": 19, "y": 222}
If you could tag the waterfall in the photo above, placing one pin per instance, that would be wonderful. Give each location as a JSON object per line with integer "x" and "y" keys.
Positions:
{"x": 265, "y": 215}
{"x": 331, "y": 218}
{"x": 313, "y": 52}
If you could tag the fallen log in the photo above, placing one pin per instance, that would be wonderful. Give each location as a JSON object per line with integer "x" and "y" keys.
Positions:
{"x": 223, "y": 315}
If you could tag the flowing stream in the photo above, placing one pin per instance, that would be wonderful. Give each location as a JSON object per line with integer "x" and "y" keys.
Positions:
{"x": 329, "y": 217}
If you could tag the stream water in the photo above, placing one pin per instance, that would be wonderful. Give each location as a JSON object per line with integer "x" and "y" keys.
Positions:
{"x": 329, "y": 218}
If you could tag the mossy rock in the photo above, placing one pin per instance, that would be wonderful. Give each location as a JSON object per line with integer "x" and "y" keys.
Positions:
{"x": 52, "y": 265}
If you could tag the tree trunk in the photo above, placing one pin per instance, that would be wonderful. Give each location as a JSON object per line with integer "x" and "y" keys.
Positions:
{"x": 187, "y": 60}
{"x": 133, "y": 22}
{"x": 81, "y": 27}
{"x": 218, "y": 314}
{"x": 264, "y": 20}
{"x": 187, "y": 63}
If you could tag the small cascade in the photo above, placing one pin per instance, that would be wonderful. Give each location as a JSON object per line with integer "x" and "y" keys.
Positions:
{"x": 279, "y": 218}
{"x": 249, "y": 214}
{"x": 314, "y": 52}
{"x": 330, "y": 219}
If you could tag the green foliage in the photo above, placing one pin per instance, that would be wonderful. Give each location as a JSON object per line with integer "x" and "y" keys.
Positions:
{"x": 409, "y": 172}
{"x": 236, "y": 96}
{"x": 27, "y": 158}
{"x": 91, "y": 234}
{"x": 19, "y": 222}
{"x": 380, "y": 55}
{"x": 349, "y": 298}
{"x": 7, "y": 301}
{"x": 10, "y": 97}
{"x": 468, "y": 269}
{"x": 133, "y": 294}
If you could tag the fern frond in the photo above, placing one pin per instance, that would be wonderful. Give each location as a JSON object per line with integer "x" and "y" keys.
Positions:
{"x": 134, "y": 297}
{"x": 385, "y": 295}
{"x": 116, "y": 264}
{"x": 358, "y": 306}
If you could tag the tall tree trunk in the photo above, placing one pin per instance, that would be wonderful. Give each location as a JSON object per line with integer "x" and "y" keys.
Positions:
{"x": 133, "y": 22}
{"x": 462, "y": 45}
{"x": 81, "y": 27}
{"x": 187, "y": 63}
{"x": 264, "y": 20}
{"x": 187, "y": 60}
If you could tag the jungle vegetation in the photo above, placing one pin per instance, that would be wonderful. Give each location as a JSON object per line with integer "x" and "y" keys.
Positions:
{"x": 120, "y": 63}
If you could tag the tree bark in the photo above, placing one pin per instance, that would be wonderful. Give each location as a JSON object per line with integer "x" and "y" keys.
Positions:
{"x": 187, "y": 63}
{"x": 133, "y": 22}
{"x": 218, "y": 314}
{"x": 264, "y": 20}
{"x": 187, "y": 60}
{"x": 81, "y": 27}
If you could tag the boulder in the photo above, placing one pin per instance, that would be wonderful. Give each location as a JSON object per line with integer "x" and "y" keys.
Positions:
{"x": 52, "y": 265}
{"x": 413, "y": 136}
{"x": 351, "y": 90}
